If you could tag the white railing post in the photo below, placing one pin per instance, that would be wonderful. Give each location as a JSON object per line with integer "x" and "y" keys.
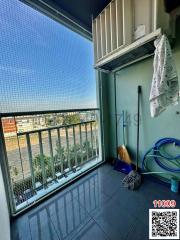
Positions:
{"x": 30, "y": 160}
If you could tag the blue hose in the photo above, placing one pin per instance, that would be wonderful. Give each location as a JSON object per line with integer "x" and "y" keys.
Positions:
{"x": 158, "y": 154}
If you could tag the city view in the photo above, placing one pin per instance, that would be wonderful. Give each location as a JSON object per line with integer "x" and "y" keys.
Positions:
{"x": 44, "y": 148}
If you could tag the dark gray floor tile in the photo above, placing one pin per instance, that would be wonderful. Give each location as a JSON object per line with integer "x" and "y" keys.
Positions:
{"x": 92, "y": 199}
{"x": 41, "y": 226}
{"x": 94, "y": 207}
{"x": 139, "y": 231}
{"x": 20, "y": 229}
{"x": 89, "y": 232}
{"x": 68, "y": 218}
{"x": 109, "y": 184}
{"x": 105, "y": 168}
{"x": 114, "y": 221}
{"x": 111, "y": 174}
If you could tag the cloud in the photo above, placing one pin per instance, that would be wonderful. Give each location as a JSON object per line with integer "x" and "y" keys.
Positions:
{"x": 16, "y": 70}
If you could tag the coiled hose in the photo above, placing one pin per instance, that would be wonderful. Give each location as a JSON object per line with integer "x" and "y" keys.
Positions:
{"x": 158, "y": 154}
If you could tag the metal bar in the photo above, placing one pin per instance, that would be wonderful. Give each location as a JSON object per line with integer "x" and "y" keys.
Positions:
{"x": 80, "y": 136}
{"x": 12, "y": 114}
{"x": 4, "y": 164}
{"x": 30, "y": 161}
{"x": 75, "y": 147}
{"x": 116, "y": 123}
{"x": 67, "y": 144}
{"x": 96, "y": 140}
{"x": 42, "y": 158}
{"x": 20, "y": 156}
{"x": 61, "y": 16}
{"x": 91, "y": 139}
{"x": 52, "y": 128}
{"x": 51, "y": 153}
{"x": 86, "y": 141}
{"x": 101, "y": 137}
{"x": 132, "y": 62}
{"x": 59, "y": 144}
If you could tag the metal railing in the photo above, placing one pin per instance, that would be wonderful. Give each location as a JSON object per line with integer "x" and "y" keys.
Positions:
{"x": 40, "y": 160}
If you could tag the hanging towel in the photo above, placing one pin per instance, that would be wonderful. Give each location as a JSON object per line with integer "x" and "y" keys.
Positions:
{"x": 164, "y": 88}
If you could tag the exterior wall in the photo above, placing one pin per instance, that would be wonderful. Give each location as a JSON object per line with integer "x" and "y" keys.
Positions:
{"x": 23, "y": 124}
{"x": 9, "y": 126}
{"x": 151, "y": 129}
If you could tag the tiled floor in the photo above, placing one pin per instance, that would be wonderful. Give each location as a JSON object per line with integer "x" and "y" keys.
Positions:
{"x": 94, "y": 207}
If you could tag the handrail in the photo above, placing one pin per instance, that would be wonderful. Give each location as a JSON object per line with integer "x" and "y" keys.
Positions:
{"x": 44, "y": 163}
{"x": 18, "y": 114}
{"x": 56, "y": 127}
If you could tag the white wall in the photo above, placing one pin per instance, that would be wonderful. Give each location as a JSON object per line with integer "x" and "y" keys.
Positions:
{"x": 4, "y": 215}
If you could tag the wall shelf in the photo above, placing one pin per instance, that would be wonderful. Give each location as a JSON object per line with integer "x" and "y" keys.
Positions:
{"x": 138, "y": 50}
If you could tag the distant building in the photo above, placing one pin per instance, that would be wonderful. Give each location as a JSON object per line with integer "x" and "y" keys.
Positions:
{"x": 86, "y": 116}
{"x": 23, "y": 124}
{"x": 29, "y": 123}
{"x": 33, "y": 122}
{"x": 9, "y": 126}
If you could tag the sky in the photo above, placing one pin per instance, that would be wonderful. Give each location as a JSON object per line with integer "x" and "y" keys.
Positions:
{"x": 43, "y": 65}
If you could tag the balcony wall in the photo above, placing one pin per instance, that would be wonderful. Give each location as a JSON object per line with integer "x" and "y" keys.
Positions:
{"x": 151, "y": 129}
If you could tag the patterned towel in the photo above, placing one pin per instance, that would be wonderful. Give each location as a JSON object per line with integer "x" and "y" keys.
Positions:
{"x": 165, "y": 87}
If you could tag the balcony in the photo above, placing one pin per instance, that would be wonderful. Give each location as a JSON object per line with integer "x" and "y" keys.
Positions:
{"x": 47, "y": 151}
{"x": 60, "y": 120}
{"x": 94, "y": 207}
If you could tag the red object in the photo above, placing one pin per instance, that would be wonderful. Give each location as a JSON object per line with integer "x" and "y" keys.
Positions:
{"x": 9, "y": 125}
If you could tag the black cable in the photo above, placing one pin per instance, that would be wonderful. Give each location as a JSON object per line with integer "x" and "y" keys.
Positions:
{"x": 138, "y": 114}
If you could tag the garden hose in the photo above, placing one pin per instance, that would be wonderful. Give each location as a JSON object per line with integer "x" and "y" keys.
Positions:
{"x": 158, "y": 155}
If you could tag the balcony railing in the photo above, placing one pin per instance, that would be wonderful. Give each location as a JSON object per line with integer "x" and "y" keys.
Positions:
{"x": 44, "y": 158}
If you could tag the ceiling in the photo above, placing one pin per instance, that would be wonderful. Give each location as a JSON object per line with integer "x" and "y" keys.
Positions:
{"x": 83, "y": 10}
{"x": 80, "y": 11}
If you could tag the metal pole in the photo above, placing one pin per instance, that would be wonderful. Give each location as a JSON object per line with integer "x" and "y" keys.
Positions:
{"x": 67, "y": 144}
{"x": 51, "y": 153}
{"x": 80, "y": 136}
{"x": 60, "y": 148}
{"x": 86, "y": 141}
{"x": 5, "y": 172}
{"x": 91, "y": 139}
{"x": 137, "y": 150}
{"x": 30, "y": 161}
{"x": 115, "y": 108}
{"x": 75, "y": 149}
{"x": 42, "y": 158}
